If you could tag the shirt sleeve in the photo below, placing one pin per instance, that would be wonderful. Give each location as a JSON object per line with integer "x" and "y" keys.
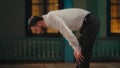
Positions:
{"x": 59, "y": 24}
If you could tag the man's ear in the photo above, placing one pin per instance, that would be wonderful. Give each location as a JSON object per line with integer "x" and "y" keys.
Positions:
{"x": 32, "y": 29}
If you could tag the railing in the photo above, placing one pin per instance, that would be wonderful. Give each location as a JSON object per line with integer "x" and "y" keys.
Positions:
{"x": 34, "y": 49}
{"x": 106, "y": 50}
{"x": 52, "y": 49}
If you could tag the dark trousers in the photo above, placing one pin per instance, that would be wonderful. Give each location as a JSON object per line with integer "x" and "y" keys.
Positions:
{"x": 88, "y": 31}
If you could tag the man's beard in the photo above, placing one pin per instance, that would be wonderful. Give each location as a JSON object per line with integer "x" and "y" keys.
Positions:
{"x": 43, "y": 30}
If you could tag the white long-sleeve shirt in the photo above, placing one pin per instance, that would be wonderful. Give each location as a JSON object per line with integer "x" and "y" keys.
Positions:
{"x": 66, "y": 21}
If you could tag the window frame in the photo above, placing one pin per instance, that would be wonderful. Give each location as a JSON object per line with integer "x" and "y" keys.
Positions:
{"x": 109, "y": 34}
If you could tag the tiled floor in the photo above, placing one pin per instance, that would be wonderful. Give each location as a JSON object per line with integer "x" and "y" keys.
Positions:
{"x": 59, "y": 65}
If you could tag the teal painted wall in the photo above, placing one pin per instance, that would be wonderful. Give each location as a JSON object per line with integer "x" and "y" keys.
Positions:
{"x": 80, "y": 4}
{"x": 102, "y": 14}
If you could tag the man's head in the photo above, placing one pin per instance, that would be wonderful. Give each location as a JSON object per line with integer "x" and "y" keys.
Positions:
{"x": 37, "y": 25}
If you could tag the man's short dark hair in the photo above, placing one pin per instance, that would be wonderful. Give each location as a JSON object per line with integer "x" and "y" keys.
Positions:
{"x": 33, "y": 20}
